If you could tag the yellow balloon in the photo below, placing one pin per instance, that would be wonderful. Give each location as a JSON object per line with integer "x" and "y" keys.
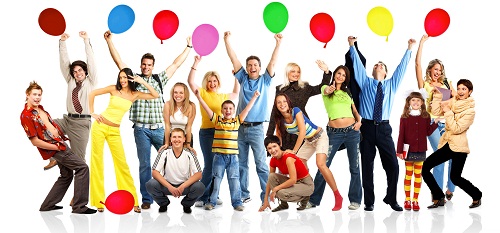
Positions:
{"x": 380, "y": 21}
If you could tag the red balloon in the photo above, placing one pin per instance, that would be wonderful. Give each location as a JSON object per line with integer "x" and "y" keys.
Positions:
{"x": 120, "y": 202}
{"x": 322, "y": 27}
{"x": 52, "y": 22}
{"x": 165, "y": 24}
{"x": 436, "y": 22}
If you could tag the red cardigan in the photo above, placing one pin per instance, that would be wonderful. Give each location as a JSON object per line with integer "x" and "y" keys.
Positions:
{"x": 414, "y": 131}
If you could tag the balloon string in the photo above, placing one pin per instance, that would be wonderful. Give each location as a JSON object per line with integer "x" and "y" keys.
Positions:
{"x": 161, "y": 41}
{"x": 386, "y": 38}
{"x": 325, "y": 45}
{"x": 102, "y": 202}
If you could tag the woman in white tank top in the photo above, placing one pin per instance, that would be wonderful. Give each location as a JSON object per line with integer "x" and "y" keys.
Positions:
{"x": 179, "y": 112}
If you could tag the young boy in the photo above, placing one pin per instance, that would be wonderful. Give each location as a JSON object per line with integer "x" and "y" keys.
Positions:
{"x": 225, "y": 149}
{"x": 47, "y": 136}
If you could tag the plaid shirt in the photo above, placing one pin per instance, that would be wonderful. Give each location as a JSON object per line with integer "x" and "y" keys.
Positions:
{"x": 34, "y": 127}
{"x": 149, "y": 111}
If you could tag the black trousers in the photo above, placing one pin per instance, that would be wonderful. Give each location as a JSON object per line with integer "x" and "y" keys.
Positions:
{"x": 440, "y": 156}
{"x": 378, "y": 136}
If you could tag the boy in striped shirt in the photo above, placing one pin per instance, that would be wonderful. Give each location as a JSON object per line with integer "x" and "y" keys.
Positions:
{"x": 225, "y": 149}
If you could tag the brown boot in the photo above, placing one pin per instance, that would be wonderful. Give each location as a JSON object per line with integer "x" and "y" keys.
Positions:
{"x": 303, "y": 203}
{"x": 283, "y": 206}
{"x": 51, "y": 164}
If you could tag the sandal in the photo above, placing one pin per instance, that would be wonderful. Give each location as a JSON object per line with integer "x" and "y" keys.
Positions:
{"x": 283, "y": 206}
{"x": 137, "y": 209}
{"x": 100, "y": 209}
{"x": 449, "y": 195}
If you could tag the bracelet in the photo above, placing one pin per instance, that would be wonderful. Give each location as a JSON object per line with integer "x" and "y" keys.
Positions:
{"x": 193, "y": 68}
{"x": 189, "y": 46}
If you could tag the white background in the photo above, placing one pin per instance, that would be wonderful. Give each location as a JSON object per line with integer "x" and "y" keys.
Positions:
{"x": 468, "y": 49}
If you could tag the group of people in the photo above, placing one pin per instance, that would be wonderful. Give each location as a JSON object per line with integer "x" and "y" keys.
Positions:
{"x": 358, "y": 108}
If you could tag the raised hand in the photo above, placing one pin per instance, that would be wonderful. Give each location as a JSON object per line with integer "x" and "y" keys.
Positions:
{"x": 108, "y": 35}
{"x": 83, "y": 34}
{"x": 64, "y": 36}
{"x": 322, "y": 65}
{"x": 351, "y": 40}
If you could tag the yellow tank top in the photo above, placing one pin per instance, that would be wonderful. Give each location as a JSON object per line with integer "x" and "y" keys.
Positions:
{"x": 116, "y": 109}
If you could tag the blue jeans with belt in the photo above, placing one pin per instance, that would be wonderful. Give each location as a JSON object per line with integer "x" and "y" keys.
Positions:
{"x": 338, "y": 136}
{"x": 144, "y": 139}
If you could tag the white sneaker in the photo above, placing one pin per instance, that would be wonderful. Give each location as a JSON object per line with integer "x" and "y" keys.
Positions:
{"x": 310, "y": 205}
{"x": 353, "y": 206}
{"x": 198, "y": 204}
{"x": 219, "y": 201}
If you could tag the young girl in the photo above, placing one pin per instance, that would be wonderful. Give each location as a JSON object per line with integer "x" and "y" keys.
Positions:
{"x": 415, "y": 125}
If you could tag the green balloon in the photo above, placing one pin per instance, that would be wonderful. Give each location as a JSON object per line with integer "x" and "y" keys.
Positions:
{"x": 275, "y": 17}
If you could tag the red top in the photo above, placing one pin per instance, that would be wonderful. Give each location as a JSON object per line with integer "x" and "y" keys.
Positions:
{"x": 414, "y": 131}
{"x": 34, "y": 127}
{"x": 281, "y": 165}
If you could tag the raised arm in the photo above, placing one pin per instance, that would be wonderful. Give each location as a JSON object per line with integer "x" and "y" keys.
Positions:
{"x": 64, "y": 62}
{"x": 418, "y": 62}
{"x": 244, "y": 113}
{"x": 112, "y": 50}
{"x": 166, "y": 120}
{"x": 91, "y": 68}
{"x": 153, "y": 94}
{"x": 274, "y": 56}
{"x": 180, "y": 59}
{"x": 230, "y": 52}
{"x": 236, "y": 90}
{"x": 209, "y": 111}
{"x": 192, "y": 84}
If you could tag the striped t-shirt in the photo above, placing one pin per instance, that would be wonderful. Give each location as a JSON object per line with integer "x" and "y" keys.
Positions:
{"x": 226, "y": 134}
{"x": 293, "y": 128}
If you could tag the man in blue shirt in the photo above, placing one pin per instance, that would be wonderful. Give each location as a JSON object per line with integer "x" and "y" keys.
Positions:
{"x": 376, "y": 130}
{"x": 251, "y": 132}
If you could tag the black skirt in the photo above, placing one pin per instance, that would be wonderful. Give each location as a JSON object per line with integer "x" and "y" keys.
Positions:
{"x": 415, "y": 156}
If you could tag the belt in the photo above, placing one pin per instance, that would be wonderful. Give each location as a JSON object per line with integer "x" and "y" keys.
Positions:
{"x": 340, "y": 130}
{"x": 148, "y": 126}
{"x": 248, "y": 124}
{"x": 79, "y": 115}
{"x": 316, "y": 136}
{"x": 374, "y": 122}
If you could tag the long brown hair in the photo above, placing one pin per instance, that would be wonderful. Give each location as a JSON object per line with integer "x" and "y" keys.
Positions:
{"x": 343, "y": 86}
{"x": 278, "y": 117}
{"x": 186, "y": 104}
{"x": 407, "y": 108}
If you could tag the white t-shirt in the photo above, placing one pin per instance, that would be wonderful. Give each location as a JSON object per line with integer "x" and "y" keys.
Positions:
{"x": 178, "y": 120}
{"x": 176, "y": 170}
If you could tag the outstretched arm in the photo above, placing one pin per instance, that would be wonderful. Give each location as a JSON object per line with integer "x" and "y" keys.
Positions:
{"x": 64, "y": 62}
{"x": 418, "y": 62}
{"x": 91, "y": 68}
{"x": 230, "y": 52}
{"x": 112, "y": 50}
{"x": 179, "y": 60}
{"x": 244, "y": 113}
{"x": 192, "y": 84}
{"x": 274, "y": 56}
{"x": 209, "y": 111}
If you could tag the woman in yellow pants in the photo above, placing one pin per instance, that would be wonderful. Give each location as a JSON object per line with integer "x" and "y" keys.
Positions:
{"x": 106, "y": 127}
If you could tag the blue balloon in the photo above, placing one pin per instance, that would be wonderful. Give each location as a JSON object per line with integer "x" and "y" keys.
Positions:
{"x": 120, "y": 19}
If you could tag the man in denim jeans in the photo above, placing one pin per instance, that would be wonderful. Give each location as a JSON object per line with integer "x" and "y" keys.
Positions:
{"x": 251, "y": 132}
{"x": 147, "y": 115}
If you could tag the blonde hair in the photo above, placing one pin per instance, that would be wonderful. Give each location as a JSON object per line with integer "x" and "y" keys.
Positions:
{"x": 432, "y": 63}
{"x": 186, "y": 104}
{"x": 207, "y": 76}
{"x": 288, "y": 69}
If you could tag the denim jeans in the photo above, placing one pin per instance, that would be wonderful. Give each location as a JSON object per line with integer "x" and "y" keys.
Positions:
{"x": 144, "y": 139}
{"x": 206, "y": 137}
{"x": 229, "y": 163}
{"x": 351, "y": 141}
{"x": 252, "y": 136}
{"x": 438, "y": 171}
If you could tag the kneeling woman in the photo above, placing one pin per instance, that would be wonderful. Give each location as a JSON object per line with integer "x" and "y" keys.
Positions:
{"x": 296, "y": 187}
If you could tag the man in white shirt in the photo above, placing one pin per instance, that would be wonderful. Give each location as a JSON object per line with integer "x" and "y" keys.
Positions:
{"x": 176, "y": 172}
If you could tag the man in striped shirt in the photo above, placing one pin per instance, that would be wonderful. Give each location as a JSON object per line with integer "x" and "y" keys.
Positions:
{"x": 177, "y": 172}
{"x": 225, "y": 149}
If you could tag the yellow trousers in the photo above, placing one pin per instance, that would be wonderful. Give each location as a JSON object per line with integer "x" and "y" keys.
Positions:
{"x": 99, "y": 134}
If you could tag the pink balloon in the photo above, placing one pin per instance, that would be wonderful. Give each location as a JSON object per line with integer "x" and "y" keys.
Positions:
{"x": 205, "y": 39}
{"x": 120, "y": 202}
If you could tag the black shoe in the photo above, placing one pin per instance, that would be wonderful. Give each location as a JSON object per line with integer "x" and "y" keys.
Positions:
{"x": 145, "y": 205}
{"x": 475, "y": 204}
{"x": 187, "y": 209}
{"x": 56, "y": 207}
{"x": 368, "y": 207}
{"x": 89, "y": 211}
{"x": 437, "y": 203}
{"x": 163, "y": 208}
{"x": 394, "y": 205}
